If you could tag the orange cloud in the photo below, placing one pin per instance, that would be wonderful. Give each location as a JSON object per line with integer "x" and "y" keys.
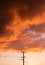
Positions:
{"x": 26, "y": 30}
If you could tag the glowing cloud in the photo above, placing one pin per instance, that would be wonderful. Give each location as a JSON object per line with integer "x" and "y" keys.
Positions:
{"x": 22, "y": 26}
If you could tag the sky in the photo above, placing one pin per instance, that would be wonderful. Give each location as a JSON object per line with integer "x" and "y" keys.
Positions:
{"x": 22, "y": 28}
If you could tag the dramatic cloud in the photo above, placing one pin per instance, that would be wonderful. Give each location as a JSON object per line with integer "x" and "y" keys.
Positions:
{"x": 22, "y": 25}
{"x": 25, "y": 9}
{"x": 29, "y": 39}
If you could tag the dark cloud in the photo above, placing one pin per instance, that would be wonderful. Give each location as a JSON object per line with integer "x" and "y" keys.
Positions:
{"x": 25, "y": 8}
{"x": 34, "y": 7}
{"x": 5, "y": 17}
{"x": 38, "y": 28}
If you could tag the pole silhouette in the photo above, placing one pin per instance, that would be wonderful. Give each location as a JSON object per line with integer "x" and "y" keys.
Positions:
{"x": 23, "y": 58}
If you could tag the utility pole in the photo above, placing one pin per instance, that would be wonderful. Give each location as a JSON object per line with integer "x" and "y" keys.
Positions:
{"x": 23, "y": 57}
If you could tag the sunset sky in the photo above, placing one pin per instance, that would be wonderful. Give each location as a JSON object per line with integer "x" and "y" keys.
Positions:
{"x": 22, "y": 28}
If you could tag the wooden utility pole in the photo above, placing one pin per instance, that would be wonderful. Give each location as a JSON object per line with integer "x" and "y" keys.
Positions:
{"x": 23, "y": 58}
